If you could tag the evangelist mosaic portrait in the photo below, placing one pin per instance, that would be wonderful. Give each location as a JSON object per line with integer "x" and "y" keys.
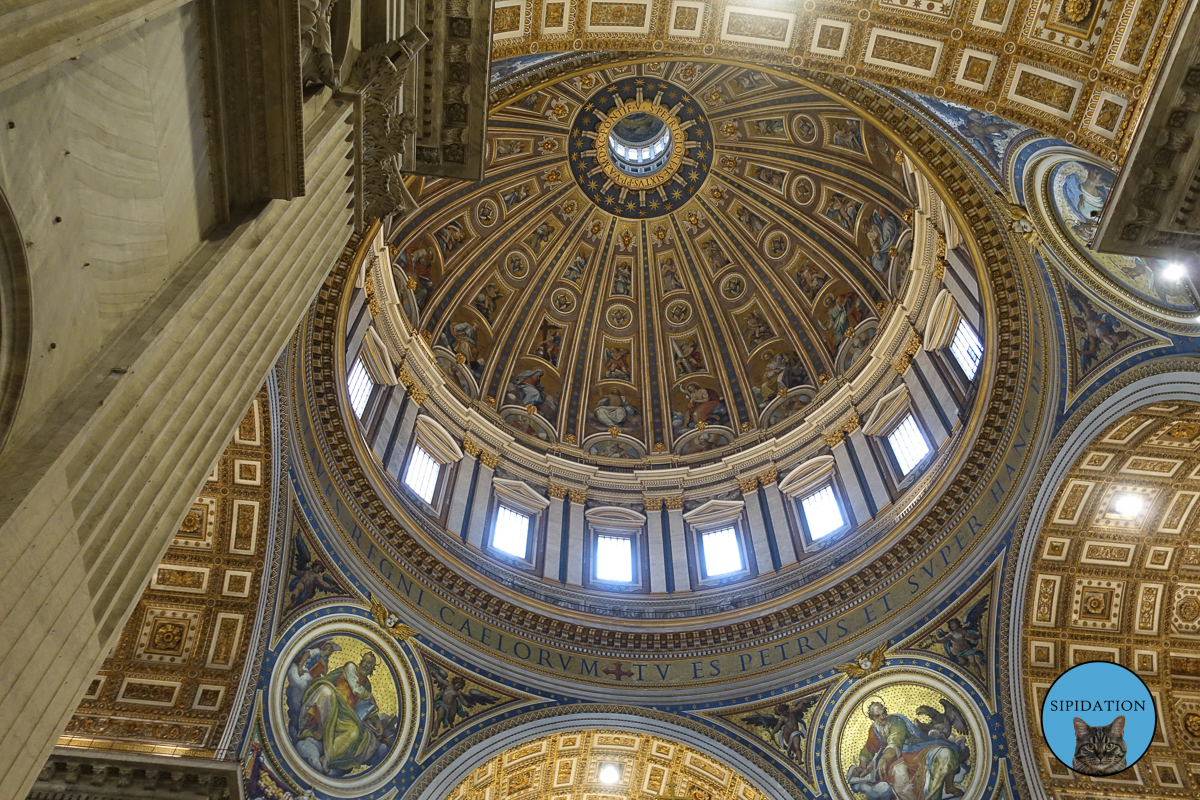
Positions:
{"x": 342, "y": 704}
{"x": 907, "y": 740}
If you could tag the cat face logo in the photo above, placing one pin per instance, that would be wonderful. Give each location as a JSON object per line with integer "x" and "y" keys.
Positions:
{"x": 1098, "y": 718}
{"x": 1099, "y": 749}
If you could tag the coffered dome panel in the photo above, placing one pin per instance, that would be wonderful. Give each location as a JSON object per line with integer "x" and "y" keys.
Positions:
{"x": 765, "y": 396}
{"x": 690, "y": 309}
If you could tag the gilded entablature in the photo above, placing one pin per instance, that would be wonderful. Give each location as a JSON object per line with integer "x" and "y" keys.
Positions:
{"x": 1075, "y": 68}
{"x": 1116, "y": 577}
{"x": 171, "y": 682}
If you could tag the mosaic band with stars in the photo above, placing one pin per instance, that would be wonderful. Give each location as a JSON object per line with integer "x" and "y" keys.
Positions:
{"x": 629, "y": 203}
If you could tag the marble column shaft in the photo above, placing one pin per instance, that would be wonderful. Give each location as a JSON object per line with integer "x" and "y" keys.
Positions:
{"x": 552, "y": 565}
{"x": 575, "y": 543}
{"x": 679, "y": 555}
{"x": 758, "y": 533}
{"x": 856, "y": 492}
{"x": 91, "y": 507}
{"x": 480, "y": 502}
{"x": 779, "y": 524}
{"x": 654, "y": 547}
{"x": 463, "y": 479}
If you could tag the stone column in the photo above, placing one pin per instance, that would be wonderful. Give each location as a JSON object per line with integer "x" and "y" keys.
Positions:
{"x": 780, "y": 527}
{"x": 679, "y": 557}
{"x": 360, "y": 319}
{"x": 552, "y": 564}
{"x": 932, "y": 416}
{"x": 856, "y": 491}
{"x": 575, "y": 541}
{"x": 464, "y": 479}
{"x": 958, "y": 276}
{"x": 875, "y": 483}
{"x": 482, "y": 498}
{"x": 388, "y": 418}
{"x": 758, "y": 528}
{"x": 404, "y": 432}
{"x": 91, "y": 502}
{"x": 942, "y": 394}
{"x": 654, "y": 544}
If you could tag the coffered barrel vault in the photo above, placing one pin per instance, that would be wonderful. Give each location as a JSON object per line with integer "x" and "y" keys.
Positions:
{"x": 1077, "y": 70}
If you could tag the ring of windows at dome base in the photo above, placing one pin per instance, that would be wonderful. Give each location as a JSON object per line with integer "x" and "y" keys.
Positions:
{"x": 634, "y": 153}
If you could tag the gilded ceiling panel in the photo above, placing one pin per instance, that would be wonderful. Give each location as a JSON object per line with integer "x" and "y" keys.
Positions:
{"x": 1075, "y": 69}
{"x": 1116, "y": 577}
{"x": 171, "y": 682}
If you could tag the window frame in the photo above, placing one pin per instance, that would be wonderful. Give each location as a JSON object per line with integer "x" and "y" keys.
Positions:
{"x": 806, "y": 479}
{"x": 519, "y": 497}
{"x": 951, "y": 357}
{"x": 443, "y": 450}
{"x": 839, "y": 502}
{"x": 616, "y": 522}
{"x": 439, "y": 480}
{"x": 529, "y": 524}
{"x": 710, "y": 516}
{"x": 900, "y": 478}
{"x": 702, "y": 550}
{"x": 361, "y": 416}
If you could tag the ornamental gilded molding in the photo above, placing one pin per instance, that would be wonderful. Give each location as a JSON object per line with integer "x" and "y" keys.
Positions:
{"x": 1082, "y": 80}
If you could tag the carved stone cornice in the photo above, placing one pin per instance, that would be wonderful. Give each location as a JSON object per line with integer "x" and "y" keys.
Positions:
{"x": 95, "y": 775}
{"x": 1151, "y": 211}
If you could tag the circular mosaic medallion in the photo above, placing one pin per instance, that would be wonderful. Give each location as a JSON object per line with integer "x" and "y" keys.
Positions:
{"x": 943, "y": 742}
{"x": 679, "y": 312}
{"x": 620, "y": 316}
{"x": 805, "y": 128}
{"x": 564, "y": 301}
{"x": 517, "y": 265}
{"x": 733, "y": 287}
{"x": 641, "y": 148}
{"x": 776, "y": 245}
{"x": 803, "y": 190}
{"x": 335, "y": 742}
{"x": 487, "y": 213}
